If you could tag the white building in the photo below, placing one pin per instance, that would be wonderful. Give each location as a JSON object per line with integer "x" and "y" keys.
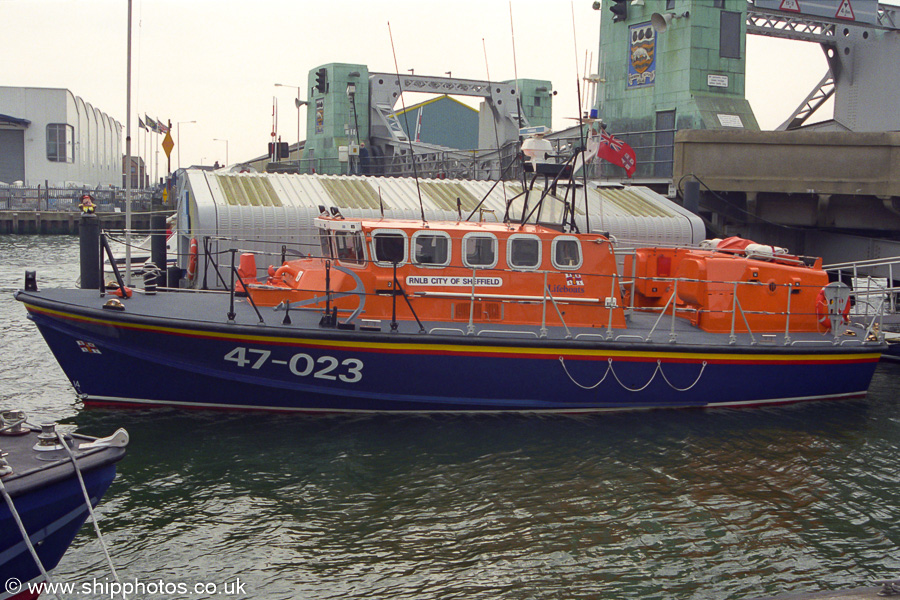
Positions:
{"x": 51, "y": 136}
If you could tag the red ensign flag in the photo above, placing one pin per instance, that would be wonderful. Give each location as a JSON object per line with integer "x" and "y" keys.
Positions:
{"x": 616, "y": 151}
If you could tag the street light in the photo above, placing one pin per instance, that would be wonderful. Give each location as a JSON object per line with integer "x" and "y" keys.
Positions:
{"x": 298, "y": 102}
{"x": 178, "y": 135}
{"x": 226, "y": 149}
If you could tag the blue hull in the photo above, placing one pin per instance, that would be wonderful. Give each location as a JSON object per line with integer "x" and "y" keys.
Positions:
{"x": 156, "y": 361}
{"x": 52, "y": 515}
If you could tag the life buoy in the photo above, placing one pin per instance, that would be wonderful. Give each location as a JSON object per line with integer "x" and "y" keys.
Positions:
{"x": 192, "y": 263}
{"x": 285, "y": 270}
{"x": 822, "y": 314}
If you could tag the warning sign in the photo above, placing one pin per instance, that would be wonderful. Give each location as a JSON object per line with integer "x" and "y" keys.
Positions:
{"x": 856, "y": 11}
{"x": 845, "y": 11}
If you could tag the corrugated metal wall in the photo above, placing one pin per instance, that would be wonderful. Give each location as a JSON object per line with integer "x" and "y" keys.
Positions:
{"x": 260, "y": 212}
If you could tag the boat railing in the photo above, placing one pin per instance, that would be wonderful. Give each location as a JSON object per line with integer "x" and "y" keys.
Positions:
{"x": 670, "y": 309}
{"x": 872, "y": 278}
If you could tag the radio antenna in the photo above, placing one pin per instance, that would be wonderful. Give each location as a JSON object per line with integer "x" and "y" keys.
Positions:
{"x": 487, "y": 70}
{"x": 412, "y": 154}
{"x": 587, "y": 214}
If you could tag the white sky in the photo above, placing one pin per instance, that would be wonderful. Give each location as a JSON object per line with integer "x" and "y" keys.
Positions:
{"x": 216, "y": 61}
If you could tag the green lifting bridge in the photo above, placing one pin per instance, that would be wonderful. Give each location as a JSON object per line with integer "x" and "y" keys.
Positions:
{"x": 671, "y": 82}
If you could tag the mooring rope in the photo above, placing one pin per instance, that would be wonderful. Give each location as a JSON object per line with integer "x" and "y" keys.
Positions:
{"x": 87, "y": 501}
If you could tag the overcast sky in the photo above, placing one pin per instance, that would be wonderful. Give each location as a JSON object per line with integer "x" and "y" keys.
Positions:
{"x": 216, "y": 62}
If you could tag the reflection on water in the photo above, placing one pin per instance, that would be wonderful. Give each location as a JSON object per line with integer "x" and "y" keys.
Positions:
{"x": 690, "y": 504}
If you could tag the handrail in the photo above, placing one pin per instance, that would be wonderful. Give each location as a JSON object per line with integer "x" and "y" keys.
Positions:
{"x": 780, "y": 306}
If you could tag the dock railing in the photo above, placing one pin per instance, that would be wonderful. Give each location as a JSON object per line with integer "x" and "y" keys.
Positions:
{"x": 68, "y": 199}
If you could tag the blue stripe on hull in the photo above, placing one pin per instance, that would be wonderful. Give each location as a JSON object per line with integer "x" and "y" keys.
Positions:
{"x": 156, "y": 366}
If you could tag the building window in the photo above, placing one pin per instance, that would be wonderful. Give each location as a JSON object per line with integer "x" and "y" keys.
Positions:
{"x": 60, "y": 138}
{"x": 730, "y": 34}
{"x": 664, "y": 149}
{"x": 670, "y": 4}
{"x": 718, "y": 3}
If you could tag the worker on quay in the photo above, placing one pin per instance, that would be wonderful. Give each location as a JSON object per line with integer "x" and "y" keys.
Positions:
{"x": 87, "y": 205}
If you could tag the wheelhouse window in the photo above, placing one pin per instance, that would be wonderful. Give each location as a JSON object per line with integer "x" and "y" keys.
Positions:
{"x": 523, "y": 251}
{"x": 431, "y": 248}
{"x": 480, "y": 250}
{"x": 325, "y": 241}
{"x": 389, "y": 247}
{"x": 566, "y": 252}
{"x": 60, "y": 141}
{"x": 350, "y": 247}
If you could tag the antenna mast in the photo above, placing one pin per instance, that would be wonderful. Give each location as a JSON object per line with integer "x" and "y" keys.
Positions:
{"x": 412, "y": 154}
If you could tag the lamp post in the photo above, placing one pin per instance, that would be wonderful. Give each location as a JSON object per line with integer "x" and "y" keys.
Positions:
{"x": 226, "y": 149}
{"x": 178, "y": 135}
{"x": 298, "y": 102}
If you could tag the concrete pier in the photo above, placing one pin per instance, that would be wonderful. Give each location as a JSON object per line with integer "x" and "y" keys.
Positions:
{"x": 62, "y": 222}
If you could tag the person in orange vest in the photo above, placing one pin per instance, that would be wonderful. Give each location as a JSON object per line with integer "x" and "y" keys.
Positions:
{"x": 87, "y": 204}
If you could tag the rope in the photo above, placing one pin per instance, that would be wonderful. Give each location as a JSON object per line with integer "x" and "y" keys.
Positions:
{"x": 562, "y": 361}
{"x": 677, "y": 389}
{"x": 643, "y": 387}
{"x": 87, "y": 501}
{"x": 609, "y": 369}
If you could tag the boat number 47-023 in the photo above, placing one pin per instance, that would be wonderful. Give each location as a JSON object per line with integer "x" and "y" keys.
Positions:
{"x": 302, "y": 365}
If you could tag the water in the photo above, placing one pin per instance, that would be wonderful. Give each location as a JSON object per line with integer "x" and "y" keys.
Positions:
{"x": 724, "y": 504}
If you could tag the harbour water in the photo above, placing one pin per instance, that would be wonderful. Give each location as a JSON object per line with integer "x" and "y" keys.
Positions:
{"x": 723, "y": 504}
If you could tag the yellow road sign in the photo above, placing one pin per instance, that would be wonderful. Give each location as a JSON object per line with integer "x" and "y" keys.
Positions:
{"x": 168, "y": 144}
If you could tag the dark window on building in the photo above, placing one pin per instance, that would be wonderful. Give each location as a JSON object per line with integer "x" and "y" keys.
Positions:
{"x": 537, "y": 100}
{"x": 60, "y": 139}
{"x": 718, "y": 3}
{"x": 664, "y": 148}
{"x": 670, "y": 4}
{"x": 730, "y": 34}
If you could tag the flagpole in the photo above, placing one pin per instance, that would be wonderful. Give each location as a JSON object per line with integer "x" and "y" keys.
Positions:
{"x": 128, "y": 163}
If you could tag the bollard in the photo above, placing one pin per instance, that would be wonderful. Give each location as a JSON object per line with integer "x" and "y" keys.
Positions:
{"x": 89, "y": 236}
{"x": 158, "y": 246}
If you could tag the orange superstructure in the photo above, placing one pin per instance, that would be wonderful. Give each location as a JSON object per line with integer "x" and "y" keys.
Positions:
{"x": 511, "y": 271}
{"x": 768, "y": 285}
{"x": 533, "y": 275}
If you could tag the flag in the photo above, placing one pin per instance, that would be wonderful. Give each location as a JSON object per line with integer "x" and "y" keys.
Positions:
{"x": 617, "y": 152}
{"x": 151, "y": 124}
{"x": 141, "y": 124}
{"x": 88, "y": 347}
{"x": 574, "y": 279}
{"x": 162, "y": 127}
